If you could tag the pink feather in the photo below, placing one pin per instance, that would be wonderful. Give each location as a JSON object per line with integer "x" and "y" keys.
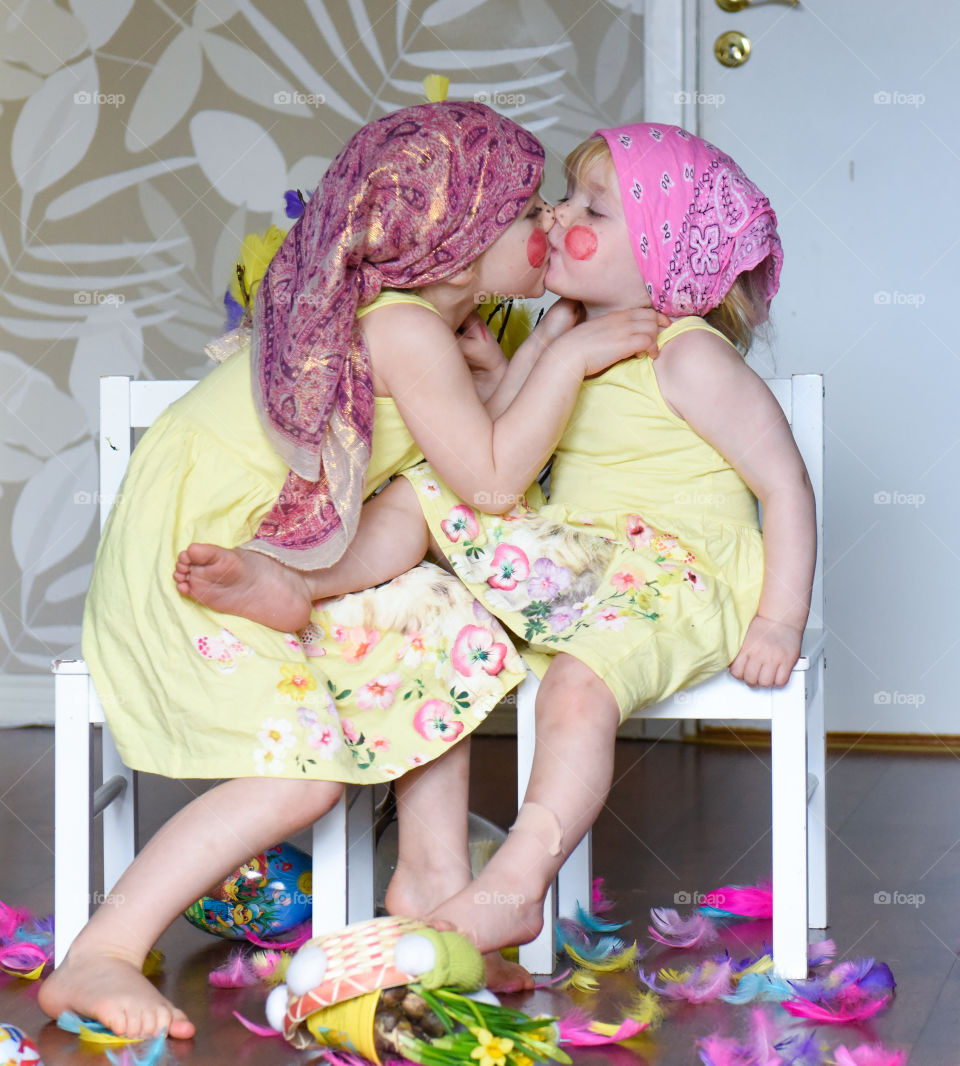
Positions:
{"x": 266, "y": 964}
{"x": 11, "y": 918}
{"x": 258, "y": 1030}
{"x": 599, "y": 903}
{"x": 801, "y": 1008}
{"x": 236, "y": 972}
{"x": 301, "y": 935}
{"x": 708, "y": 981}
{"x": 676, "y": 932}
{"x": 574, "y": 1029}
{"x": 820, "y": 952}
{"x": 22, "y": 957}
{"x": 869, "y": 1055}
{"x": 760, "y": 1051}
{"x": 752, "y": 901}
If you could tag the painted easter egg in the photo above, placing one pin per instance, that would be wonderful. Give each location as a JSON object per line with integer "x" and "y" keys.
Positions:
{"x": 269, "y": 895}
{"x": 16, "y": 1048}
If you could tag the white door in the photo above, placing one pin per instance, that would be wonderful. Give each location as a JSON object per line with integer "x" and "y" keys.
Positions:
{"x": 846, "y": 115}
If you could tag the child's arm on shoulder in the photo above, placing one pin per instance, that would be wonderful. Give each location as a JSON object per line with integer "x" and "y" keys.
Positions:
{"x": 707, "y": 383}
{"x": 486, "y": 462}
{"x": 561, "y": 317}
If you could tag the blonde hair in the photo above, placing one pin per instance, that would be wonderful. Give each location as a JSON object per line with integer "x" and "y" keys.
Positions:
{"x": 745, "y": 307}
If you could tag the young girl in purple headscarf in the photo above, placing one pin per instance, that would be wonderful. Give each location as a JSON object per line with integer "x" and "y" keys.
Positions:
{"x": 646, "y": 571}
{"x": 352, "y": 377}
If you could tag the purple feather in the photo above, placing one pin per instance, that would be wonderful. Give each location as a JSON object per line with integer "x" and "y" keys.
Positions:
{"x": 676, "y": 932}
{"x": 294, "y": 203}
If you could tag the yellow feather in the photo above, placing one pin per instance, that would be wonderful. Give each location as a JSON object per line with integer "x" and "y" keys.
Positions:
{"x": 582, "y": 981}
{"x": 646, "y": 1008}
{"x": 436, "y": 87}
{"x": 762, "y": 965}
{"x": 622, "y": 961}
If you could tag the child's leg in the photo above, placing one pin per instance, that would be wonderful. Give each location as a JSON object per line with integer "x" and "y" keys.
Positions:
{"x": 101, "y": 976}
{"x": 391, "y": 538}
{"x": 433, "y": 860}
{"x": 577, "y": 721}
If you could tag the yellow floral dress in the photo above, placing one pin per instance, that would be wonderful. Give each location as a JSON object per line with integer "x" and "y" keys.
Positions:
{"x": 377, "y": 683}
{"x": 647, "y": 562}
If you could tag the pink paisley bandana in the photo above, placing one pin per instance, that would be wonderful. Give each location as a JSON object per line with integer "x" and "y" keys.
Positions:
{"x": 411, "y": 199}
{"x": 696, "y": 220}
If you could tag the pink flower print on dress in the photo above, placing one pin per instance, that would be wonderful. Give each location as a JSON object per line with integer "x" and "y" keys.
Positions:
{"x": 462, "y": 520}
{"x": 416, "y": 759}
{"x": 291, "y": 641}
{"x": 562, "y": 617}
{"x": 325, "y": 740}
{"x": 626, "y": 580}
{"x": 547, "y": 580}
{"x": 412, "y": 650}
{"x": 609, "y": 618}
{"x": 475, "y": 650}
{"x": 224, "y": 649}
{"x": 350, "y": 734}
{"x": 379, "y": 692}
{"x": 379, "y": 743}
{"x": 307, "y": 717}
{"x": 311, "y": 640}
{"x": 511, "y": 566}
{"x": 639, "y": 534}
{"x": 357, "y": 642}
{"x": 696, "y": 580}
{"x": 435, "y": 720}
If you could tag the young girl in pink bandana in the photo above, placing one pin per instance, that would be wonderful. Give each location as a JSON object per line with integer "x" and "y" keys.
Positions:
{"x": 355, "y": 372}
{"x": 646, "y": 571}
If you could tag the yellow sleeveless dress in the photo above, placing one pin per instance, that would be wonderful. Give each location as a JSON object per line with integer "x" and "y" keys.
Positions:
{"x": 377, "y": 683}
{"x": 647, "y": 561}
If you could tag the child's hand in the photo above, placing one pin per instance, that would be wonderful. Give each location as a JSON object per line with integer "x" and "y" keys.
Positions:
{"x": 560, "y": 317}
{"x": 769, "y": 653}
{"x": 606, "y": 340}
{"x": 482, "y": 355}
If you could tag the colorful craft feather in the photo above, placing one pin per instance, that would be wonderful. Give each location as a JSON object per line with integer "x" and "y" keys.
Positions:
{"x": 709, "y": 980}
{"x": 236, "y": 972}
{"x": 578, "y": 1030}
{"x": 599, "y": 904}
{"x": 610, "y": 956}
{"x": 594, "y": 925}
{"x": 814, "y": 1012}
{"x": 869, "y": 1055}
{"x": 676, "y": 932}
{"x": 739, "y": 901}
{"x": 149, "y": 1054}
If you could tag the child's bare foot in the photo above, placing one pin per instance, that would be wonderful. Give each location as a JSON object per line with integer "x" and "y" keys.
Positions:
{"x": 414, "y": 894}
{"x": 502, "y": 975}
{"x": 493, "y": 912}
{"x": 244, "y": 582}
{"x": 113, "y": 991}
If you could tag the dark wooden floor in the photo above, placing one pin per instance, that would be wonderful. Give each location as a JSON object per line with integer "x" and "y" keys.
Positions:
{"x": 681, "y": 818}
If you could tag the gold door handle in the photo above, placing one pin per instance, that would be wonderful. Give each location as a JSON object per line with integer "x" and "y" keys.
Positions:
{"x": 732, "y": 49}
{"x": 739, "y": 5}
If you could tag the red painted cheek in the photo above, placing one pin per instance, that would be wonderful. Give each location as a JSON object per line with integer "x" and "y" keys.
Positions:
{"x": 581, "y": 242}
{"x": 537, "y": 248}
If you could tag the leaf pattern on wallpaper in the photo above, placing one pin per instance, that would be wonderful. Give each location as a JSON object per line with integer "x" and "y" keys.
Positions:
{"x": 142, "y": 158}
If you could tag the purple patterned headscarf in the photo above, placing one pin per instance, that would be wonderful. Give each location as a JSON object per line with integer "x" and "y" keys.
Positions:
{"x": 696, "y": 221}
{"x": 412, "y": 198}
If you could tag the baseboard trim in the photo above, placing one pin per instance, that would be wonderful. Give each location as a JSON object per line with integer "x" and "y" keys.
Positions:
{"x": 26, "y": 699}
{"x": 908, "y": 743}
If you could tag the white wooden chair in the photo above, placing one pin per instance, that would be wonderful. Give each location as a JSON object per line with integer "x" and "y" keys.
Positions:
{"x": 339, "y": 894}
{"x": 797, "y": 746}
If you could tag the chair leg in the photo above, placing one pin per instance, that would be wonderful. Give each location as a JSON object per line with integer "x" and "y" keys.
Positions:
{"x": 330, "y": 907}
{"x": 72, "y": 810}
{"x": 360, "y": 852}
{"x": 817, "y": 803}
{"x": 788, "y": 743}
{"x": 120, "y": 815}
{"x": 538, "y": 955}
{"x": 575, "y": 880}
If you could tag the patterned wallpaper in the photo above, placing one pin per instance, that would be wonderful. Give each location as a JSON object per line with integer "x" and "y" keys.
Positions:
{"x": 146, "y": 138}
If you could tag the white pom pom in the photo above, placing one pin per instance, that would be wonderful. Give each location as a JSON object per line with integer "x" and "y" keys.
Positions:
{"x": 414, "y": 954}
{"x": 277, "y": 1008}
{"x": 306, "y": 970}
{"x": 483, "y": 995}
